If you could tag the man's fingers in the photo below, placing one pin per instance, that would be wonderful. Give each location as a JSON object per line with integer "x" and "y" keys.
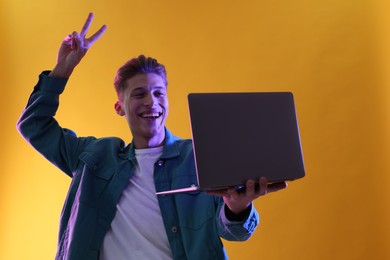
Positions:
{"x": 250, "y": 188}
{"x": 263, "y": 186}
{"x": 96, "y": 35}
{"x": 86, "y": 26}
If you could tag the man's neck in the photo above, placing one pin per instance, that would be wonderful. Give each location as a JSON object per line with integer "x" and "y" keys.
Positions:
{"x": 143, "y": 143}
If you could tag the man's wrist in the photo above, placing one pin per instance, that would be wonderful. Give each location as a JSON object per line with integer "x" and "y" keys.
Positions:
{"x": 231, "y": 216}
{"x": 60, "y": 72}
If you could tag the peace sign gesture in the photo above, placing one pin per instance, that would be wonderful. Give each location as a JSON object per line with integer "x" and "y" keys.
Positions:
{"x": 73, "y": 49}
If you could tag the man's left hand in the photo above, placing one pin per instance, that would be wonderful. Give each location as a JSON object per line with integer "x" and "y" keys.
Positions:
{"x": 238, "y": 201}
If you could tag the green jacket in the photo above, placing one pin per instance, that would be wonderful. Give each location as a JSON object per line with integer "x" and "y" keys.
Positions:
{"x": 100, "y": 170}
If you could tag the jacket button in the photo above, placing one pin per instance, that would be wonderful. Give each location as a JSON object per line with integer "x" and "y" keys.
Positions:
{"x": 174, "y": 229}
{"x": 160, "y": 163}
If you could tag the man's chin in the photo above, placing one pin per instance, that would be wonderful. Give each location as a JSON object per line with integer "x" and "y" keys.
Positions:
{"x": 152, "y": 133}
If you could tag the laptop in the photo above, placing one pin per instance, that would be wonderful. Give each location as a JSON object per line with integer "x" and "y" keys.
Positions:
{"x": 242, "y": 136}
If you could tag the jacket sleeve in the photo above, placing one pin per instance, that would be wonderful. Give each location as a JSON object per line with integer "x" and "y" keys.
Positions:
{"x": 39, "y": 128}
{"x": 237, "y": 230}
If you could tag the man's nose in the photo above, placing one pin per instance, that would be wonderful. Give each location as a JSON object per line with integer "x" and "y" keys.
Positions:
{"x": 150, "y": 100}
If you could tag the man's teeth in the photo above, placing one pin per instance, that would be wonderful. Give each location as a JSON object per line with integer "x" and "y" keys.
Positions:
{"x": 151, "y": 115}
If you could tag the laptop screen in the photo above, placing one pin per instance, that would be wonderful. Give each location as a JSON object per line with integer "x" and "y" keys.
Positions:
{"x": 241, "y": 136}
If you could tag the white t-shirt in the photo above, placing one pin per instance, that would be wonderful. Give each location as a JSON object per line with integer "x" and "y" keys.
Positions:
{"x": 137, "y": 231}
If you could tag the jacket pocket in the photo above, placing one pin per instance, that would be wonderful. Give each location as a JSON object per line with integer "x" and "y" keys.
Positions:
{"x": 96, "y": 176}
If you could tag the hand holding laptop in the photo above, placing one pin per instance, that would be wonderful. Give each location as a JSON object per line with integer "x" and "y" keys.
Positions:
{"x": 238, "y": 201}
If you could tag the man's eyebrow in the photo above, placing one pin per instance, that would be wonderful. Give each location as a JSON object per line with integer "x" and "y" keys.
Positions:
{"x": 159, "y": 87}
{"x": 138, "y": 89}
{"x": 145, "y": 87}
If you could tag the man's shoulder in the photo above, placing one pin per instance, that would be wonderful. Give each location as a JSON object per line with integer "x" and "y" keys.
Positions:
{"x": 171, "y": 138}
{"x": 103, "y": 153}
{"x": 183, "y": 142}
{"x": 185, "y": 147}
{"x": 106, "y": 144}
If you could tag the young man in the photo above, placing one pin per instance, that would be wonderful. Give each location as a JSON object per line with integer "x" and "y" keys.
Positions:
{"x": 111, "y": 210}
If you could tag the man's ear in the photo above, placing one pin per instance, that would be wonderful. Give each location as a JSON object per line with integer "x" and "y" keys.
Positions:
{"x": 118, "y": 108}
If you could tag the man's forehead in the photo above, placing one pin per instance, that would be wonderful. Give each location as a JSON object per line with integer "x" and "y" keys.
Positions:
{"x": 149, "y": 80}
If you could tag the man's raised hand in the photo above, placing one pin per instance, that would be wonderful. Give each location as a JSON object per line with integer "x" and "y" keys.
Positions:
{"x": 73, "y": 49}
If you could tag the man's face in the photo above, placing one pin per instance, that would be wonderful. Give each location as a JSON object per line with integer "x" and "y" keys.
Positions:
{"x": 144, "y": 103}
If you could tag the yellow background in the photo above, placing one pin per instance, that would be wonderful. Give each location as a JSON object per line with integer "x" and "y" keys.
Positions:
{"x": 334, "y": 55}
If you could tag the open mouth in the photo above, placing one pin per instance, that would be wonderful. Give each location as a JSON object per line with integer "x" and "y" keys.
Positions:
{"x": 152, "y": 115}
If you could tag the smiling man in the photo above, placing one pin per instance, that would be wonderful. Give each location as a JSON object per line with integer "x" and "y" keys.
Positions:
{"x": 142, "y": 99}
{"x": 111, "y": 210}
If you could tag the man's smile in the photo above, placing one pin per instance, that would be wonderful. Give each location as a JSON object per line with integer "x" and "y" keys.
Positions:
{"x": 151, "y": 115}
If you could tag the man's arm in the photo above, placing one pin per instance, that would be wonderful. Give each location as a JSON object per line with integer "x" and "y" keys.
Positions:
{"x": 37, "y": 124}
{"x": 237, "y": 228}
{"x": 237, "y": 218}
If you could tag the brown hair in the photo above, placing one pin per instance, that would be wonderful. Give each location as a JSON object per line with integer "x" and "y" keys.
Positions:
{"x": 139, "y": 65}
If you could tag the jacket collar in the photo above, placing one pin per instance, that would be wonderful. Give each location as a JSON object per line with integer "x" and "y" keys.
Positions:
{"x": 170, "y": 150}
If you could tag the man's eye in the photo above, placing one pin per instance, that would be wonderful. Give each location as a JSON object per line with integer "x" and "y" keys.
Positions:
{"x": 138, "y": 95}
{"x": 159, "y": 93}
